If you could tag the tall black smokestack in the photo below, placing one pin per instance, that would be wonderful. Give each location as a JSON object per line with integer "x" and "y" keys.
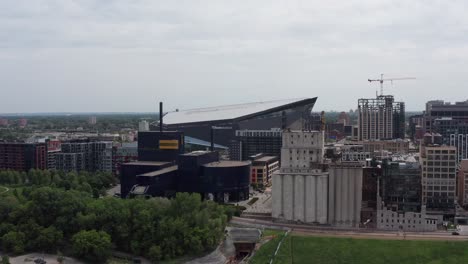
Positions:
{"x": 212, "y": 139}
{"x": 160, "y": 117}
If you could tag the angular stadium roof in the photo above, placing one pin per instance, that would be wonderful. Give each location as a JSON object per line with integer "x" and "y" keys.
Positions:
{"x": 230, "y": 112}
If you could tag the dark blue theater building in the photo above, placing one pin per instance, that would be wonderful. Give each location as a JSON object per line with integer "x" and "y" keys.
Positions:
{"x": 163, "y": 170}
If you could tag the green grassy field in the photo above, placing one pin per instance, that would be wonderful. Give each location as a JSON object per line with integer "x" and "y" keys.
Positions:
{"x": 263, "y": 255}
{"x": 303, "y": 249}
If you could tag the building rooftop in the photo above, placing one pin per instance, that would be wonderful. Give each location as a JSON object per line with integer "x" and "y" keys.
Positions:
{"x": 147, "y": 163}
{"x": 430, "y": 134}
{"x": 140, "y": 189}
{"x": 196, "y": 153}
{"x": 348, "y": 164}
{"x": 266, "y": 159}
{"x": 227, "y": 163}
{"x": 229, "y": 112}
{"x": 384, "y": 140}
{"x": 300, "y": 131}
{"x": 444, "y": 147}
{"x": 130, "y": 144}
{"x": 244, "y": 235}
{"x": 159, "y": 172}
{"x": 407, "y": 158}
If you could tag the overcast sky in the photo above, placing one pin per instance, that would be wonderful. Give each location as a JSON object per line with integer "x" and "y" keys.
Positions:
{"x": 124, "y": 56}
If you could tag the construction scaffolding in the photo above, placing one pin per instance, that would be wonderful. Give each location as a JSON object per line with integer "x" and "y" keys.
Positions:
{"x": 381, "y": 118}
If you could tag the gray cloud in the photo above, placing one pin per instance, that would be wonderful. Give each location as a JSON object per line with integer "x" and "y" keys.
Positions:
{"x": 104, "y": 55}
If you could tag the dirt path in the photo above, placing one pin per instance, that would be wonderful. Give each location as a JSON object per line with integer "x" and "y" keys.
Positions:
{"x": 51, "y": 259}
{"x": 5, "y": 189}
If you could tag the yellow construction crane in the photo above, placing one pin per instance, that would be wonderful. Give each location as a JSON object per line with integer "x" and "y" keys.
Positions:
{"x": 382, "y": 80}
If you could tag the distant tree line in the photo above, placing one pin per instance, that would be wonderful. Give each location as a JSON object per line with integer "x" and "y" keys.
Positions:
{"x": 94, "y": 183}
{"x": 105, "y": 122}
{"x": 64, "y": 217}
{"x": 10, "y": 135}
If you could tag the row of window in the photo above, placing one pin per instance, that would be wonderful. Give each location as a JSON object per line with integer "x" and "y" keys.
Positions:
{"x": 439, "y": 176}
{"x": 438, "y": 182}
{"x": 442, "y": 157}
{"x": 409, "y": 226}
{"x": 441, "y": 194}
{"x": 398, "y": 215}
{"x": 439, "y": 188}
{"x": 441, "y": 152}
{"x": 305, "y": 152}
{"x": 438, "y": 163}
{"x": 398, "y": 221}
{"x": 299, "y": 136}
{"x": 430, "y": 201}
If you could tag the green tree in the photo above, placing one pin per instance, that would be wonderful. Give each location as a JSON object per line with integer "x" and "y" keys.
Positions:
{"x": 155, "y": 254}
{"x": 5, "y": 260}
{"x": 92, "y": 245}
{"x": 14, "y": 242}
{"x": 48, "y": 239}
{"x": 31, "y": 231}
{"x": 5, "y": 228}
{"x": 7, "y": 205}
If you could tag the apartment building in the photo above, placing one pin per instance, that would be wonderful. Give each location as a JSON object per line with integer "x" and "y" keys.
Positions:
{"x": 401, "y": 185}
{"x": 85, "y": 155}
{"x": 251, "y": 142}
{"x": 123, "y": 153}
{"x": 23, "y": 156}
{"x": 460, "y": 142}
{"x": 262, "y": 169}
{"x": 440, "y": 116}
{"x": 381, "y": 118}
{"x": 439, "y": 165}
{"x": 462, "y": 183}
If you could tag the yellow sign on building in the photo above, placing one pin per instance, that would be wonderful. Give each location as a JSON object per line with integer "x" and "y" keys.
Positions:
{"x": 169, "y": 144}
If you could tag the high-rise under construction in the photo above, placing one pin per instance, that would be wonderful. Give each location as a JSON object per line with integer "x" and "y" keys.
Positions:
{"x": 381, "y": 118}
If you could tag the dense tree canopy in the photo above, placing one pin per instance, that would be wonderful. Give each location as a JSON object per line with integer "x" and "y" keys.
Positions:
{"x": 61, "y": 216}
{"x": 93, "y": 183}
{"x": 92, "y": 245}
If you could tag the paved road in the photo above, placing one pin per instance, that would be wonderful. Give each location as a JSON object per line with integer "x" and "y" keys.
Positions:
{"x": 51, "y": 259}
{"x": 215, "y": 257}
{"x": 341, "y": 232}
{"x": 221, "y": 254}
{"x": 113, "y": 190}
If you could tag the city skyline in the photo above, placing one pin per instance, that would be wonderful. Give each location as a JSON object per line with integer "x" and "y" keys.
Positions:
{"x": 225, "y": 131}
{"x": 64, "y": 56}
